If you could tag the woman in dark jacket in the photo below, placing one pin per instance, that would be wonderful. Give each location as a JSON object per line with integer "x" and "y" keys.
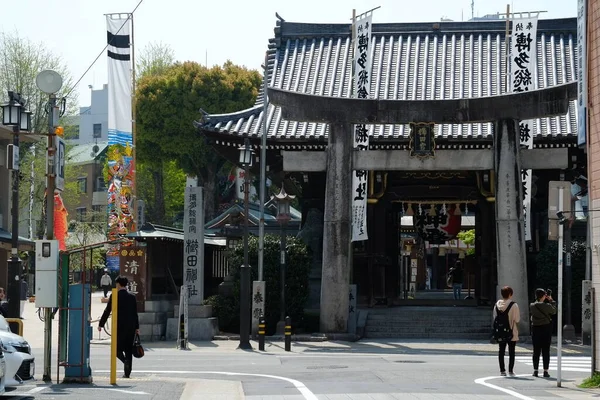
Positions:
{"x": 541, "y": 312}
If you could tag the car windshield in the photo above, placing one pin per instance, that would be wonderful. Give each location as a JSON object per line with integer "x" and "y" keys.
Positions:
{"x": 3, "y": 324}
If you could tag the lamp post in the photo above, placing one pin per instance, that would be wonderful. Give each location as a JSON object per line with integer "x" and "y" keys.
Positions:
{"x": 246, "y": 154}
{"x": 283, "y": 216}
{"x": 14, "y": 114}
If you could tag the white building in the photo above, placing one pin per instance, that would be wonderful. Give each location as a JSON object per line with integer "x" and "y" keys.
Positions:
{"x": 93, "y": 119}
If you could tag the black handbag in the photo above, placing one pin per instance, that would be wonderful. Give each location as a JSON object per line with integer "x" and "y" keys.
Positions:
{"x": 138, "y": 349}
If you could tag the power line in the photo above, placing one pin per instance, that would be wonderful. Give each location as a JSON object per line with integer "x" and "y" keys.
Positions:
{"x": 102, "y": 52}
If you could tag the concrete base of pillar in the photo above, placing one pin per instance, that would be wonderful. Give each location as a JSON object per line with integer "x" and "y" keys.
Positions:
{"x": 569, "y": 333}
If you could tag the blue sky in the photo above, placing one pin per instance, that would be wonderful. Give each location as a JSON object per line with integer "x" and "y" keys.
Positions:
{"x": 228, "y": 29}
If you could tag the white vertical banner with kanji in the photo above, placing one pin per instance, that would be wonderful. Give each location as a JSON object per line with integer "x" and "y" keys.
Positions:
{"x": 362, "y": 85}
{"x": 523, "y": 54}
{"x": 193, "y": 244}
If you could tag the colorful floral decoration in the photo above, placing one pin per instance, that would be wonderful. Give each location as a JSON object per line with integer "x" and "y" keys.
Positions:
{"x": 120, "y": 174}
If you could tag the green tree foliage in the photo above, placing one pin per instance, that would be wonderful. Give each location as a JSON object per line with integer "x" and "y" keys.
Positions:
{"x": 167, "y": 106}
{"x": 21, "y": 60}
{"x": 154, "y": 59}
{"x": 468, "y": 237}
{"x": 547, "y": 276}
{"x": 173, "y": 180}
{"x": 84, "y": 233}
{"x": 296, "y": 290}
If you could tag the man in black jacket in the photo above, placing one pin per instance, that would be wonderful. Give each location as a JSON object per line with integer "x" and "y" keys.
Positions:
{"x": 127, "y": 323}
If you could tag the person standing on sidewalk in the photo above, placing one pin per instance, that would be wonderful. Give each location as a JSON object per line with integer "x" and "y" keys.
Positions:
{"x": 106, "y": 282}
{"x": 505, "y": 304}
{"x": 541, "y": 312}
{"x": 128, "y": 323}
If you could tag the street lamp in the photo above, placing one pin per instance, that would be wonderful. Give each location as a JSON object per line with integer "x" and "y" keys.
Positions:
{"x": 283, "y": 217}
{"x": 246, "y": 154}
{"x": 14, "y": 114}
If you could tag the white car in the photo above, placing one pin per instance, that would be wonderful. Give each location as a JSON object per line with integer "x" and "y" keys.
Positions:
{"x": 19, "y": 363}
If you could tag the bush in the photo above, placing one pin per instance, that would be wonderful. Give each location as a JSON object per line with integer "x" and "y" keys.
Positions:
{"x": 227, "y": 312}
{"x": 547, "y": 277}
{"x": 298, "y": 261}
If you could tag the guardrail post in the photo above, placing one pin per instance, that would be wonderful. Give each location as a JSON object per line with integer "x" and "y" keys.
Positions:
{"x": 261, "y": 332}
{"x": 288, "y": 334}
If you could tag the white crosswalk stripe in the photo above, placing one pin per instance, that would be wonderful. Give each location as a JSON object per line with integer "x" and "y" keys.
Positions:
{"x": 573, "y": 364}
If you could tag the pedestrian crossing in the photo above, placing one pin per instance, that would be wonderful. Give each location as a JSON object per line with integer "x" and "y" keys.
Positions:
{"x": 573, "y": 364}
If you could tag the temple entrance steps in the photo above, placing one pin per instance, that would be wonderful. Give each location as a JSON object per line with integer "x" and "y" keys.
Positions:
{"x": 421, "y": 322}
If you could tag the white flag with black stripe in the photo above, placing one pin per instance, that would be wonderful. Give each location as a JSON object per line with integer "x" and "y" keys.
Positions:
{"x": 119, "y": 80}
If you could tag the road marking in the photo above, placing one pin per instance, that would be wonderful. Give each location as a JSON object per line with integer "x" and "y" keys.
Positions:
{"x": 116, "y": 390}
{"x": 571, "y": 364}
{"x": 482, "y": 381}
{"x": 301, "y": 387}
{"x": 37, "y": 389}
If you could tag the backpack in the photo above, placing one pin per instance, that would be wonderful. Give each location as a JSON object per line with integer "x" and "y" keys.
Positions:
{"x": 502, "y": 331}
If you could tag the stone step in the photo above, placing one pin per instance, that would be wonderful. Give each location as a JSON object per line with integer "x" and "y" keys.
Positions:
{"x": 428, "y": 335}
{"x": 153, "y": 317}
{"x": 158, "y": 305}
{"x": 470, "y": 321}
{"x": 448, "y": 331}
{"x": 424, "y": 326}
{"x": 152, "y": 332}
{"x": 198, "y": 328}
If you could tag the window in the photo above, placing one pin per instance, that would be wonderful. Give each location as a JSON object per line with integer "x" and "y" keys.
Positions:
{"x": 100, "y": 186}
{"x": 97, "y": 131}
{"x": 81, "y": 213}
{"x": 82, "y": 185}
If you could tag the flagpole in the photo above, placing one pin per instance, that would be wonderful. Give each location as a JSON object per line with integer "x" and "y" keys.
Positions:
{"x": 133, "y": 130}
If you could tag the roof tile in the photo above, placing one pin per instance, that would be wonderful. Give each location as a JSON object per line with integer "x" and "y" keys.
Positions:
{"x": 409, "y": 61}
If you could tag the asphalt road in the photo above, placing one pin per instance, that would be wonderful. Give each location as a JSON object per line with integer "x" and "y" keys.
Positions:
{"x": 324, "y": 371}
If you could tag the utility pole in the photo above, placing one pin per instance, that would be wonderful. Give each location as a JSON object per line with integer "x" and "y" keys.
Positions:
{"x": 52, "y": 119}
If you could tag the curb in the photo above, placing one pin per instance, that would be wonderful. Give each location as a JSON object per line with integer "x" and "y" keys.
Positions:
{"x": 342, "y": 337}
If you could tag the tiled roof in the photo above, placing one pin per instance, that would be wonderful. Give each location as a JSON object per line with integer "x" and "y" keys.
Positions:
{"x": 410, "y": 61}
{"x": 85, "y": 154}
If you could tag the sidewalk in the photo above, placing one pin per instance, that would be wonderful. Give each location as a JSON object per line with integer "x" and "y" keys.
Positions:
{"x": 33, "y": 331}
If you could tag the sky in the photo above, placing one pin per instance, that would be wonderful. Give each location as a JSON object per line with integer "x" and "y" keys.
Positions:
{"x": 216, "y": 31}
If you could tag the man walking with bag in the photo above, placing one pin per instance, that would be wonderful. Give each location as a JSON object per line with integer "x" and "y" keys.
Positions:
{"x": 128, "y": 324}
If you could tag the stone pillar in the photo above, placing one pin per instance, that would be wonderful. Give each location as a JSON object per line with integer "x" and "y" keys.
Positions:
{"x": 336, "y": 231}
{"x": 510, "y": 237}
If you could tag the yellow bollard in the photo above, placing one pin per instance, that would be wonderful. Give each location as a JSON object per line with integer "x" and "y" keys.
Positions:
{"x": 113, "y": 337}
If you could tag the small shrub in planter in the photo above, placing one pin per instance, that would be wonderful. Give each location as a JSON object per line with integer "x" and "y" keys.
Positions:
{"x": 298, "y": 261}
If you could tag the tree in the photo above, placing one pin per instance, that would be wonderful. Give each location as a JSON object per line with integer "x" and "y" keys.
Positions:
{"x": 154, "y": 59}
{"x": 468, "y": 237}
{"x": 169, "y": 103}
{"x": 20, "y": 62}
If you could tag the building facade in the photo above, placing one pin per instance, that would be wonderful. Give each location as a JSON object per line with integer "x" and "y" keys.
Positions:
{"x": 93, "y": 119}
{"x": 593, "y": 143}
{"x": 87, "y": 161}
{"x": 410, "y": 62}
